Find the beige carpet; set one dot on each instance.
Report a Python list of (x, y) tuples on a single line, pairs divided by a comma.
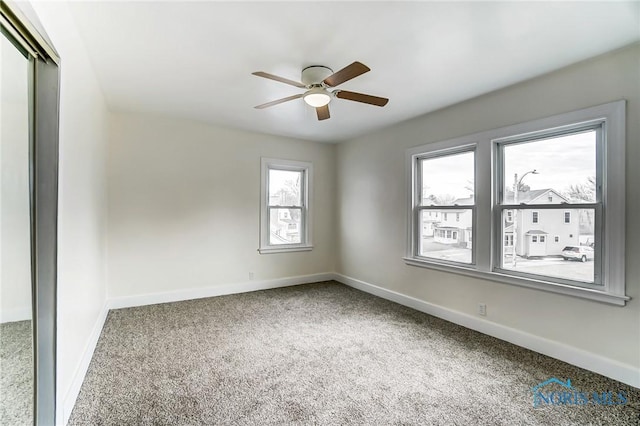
[(321, 354), (16, 374)]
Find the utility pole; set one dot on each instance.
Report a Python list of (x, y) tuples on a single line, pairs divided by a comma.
[(516, 186)]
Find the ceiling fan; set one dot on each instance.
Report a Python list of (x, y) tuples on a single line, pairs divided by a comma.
[(317, 79)]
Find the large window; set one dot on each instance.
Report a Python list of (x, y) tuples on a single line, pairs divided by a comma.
[(543, 203), (285, 215), (548, 177)]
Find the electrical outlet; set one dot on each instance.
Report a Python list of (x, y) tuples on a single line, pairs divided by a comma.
[(250, 276), (482, 309)]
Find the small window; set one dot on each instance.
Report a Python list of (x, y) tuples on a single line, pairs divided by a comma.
[(567, 217), (508, 240), (542, 238), (534, 239), (534, 217), (510, 216), (550, 198), (445, 183), (284, 213), (556, 239)]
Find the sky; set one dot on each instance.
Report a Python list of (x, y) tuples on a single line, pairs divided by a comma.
[(278, 178), (560, 162), (449, 175)]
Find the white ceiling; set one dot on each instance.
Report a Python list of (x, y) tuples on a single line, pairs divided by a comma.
[(194, 60)]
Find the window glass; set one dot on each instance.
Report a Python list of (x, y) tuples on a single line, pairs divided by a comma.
[(448, 180), (441, 241), (284, 226), (566, 165), (284, 187), (541, 256)]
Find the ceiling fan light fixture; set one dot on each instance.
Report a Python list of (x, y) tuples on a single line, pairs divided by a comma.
[(317, 97), (318, 79)]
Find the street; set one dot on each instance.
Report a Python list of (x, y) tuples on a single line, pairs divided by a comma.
[(550, 266)]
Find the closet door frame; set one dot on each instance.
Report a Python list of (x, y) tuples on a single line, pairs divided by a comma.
[(20, 24)]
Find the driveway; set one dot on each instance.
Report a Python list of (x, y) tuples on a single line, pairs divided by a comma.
[(550, 266), (554, 267)]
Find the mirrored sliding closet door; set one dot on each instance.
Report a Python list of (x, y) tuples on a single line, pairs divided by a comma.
[(16, 325)]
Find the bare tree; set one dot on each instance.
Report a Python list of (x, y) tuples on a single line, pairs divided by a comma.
[(469, 186), (582, 191), (290, 195), (523, 187), (441, 199)]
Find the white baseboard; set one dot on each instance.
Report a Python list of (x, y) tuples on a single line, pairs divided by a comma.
[(64, 411), (13, 315), (218, 290), (589, 361)]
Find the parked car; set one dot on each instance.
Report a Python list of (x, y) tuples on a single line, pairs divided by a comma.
[(581, 253)]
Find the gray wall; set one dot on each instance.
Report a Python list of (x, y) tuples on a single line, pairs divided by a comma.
[(372, 196), (184, 206)]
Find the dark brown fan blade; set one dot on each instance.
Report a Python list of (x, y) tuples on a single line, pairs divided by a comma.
[(323, 112), (279, 101), (280, 79), (346, 74), (361, 97)]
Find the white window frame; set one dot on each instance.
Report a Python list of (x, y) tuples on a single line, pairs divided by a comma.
[(564, 217), (535, 216), (611, 243), (415, 208), (306, 168)]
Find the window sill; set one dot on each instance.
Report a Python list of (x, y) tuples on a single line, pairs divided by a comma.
[(270, 250), (584, 293)]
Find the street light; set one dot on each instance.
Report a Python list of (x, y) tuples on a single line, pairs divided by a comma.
[(516, 185)]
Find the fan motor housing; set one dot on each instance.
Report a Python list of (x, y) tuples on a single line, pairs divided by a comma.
[(314, 75)]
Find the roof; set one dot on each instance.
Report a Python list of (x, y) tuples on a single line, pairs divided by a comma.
[(536, 232), (467, 201), (528, 197), (286, 220)]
